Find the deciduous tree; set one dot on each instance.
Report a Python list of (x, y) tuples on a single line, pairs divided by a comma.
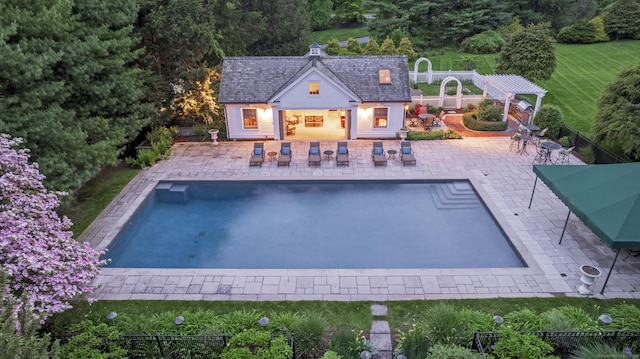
[(617, 119), (285, 24), (46, 267), (320, 14), (529, 53)]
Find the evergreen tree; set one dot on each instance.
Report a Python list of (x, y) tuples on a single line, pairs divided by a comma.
[(387, 47), (600, 33), (353, 46), (70, 89), (333, 48), (617, 119), (622, 19), (406, 48), (529, 53), (372, 48)]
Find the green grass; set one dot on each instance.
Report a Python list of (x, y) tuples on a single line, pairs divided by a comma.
[(96, 195), (582, 72)]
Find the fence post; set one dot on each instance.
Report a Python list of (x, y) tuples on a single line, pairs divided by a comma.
[(159, 345)]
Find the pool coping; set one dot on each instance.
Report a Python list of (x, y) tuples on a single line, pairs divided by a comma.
[(532, 232)]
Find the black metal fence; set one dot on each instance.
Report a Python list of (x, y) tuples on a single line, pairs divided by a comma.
[(141, 346), (590, 151), (565, 342)]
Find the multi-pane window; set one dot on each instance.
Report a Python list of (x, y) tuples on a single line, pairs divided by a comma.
[(380, 116), (249, 118), (314, 88), (385, 76)]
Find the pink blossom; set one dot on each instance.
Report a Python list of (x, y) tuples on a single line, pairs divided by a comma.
[(37, 251)]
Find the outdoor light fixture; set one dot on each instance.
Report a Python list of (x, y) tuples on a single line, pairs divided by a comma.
[(498, 319), (179, 320), (365, 354), (112, 315), (605, 319), (264, 321)]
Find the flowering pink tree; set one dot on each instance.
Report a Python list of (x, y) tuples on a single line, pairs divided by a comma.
[(46, 267)]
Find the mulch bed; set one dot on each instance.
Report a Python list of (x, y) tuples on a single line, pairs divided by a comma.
[(455, 122)]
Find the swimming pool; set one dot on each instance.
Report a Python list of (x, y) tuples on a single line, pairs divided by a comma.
[(313, 224)]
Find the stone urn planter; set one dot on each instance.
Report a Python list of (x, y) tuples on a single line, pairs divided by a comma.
[(589, 276), (214, 136), (403, 133)]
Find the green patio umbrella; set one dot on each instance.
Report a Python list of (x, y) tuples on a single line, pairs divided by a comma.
[(606, 198)]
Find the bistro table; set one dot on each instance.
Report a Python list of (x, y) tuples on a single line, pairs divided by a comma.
[(392, 154), (525, 140), (272, 155), (547, 147), (328, 154)]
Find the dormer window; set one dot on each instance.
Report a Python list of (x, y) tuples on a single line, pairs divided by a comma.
[(385, 76), (314, 88)]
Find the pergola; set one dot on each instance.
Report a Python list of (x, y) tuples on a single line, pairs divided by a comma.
[(511, 85)]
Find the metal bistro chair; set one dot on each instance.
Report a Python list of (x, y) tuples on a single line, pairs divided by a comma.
[(564, 155), (515, 142)]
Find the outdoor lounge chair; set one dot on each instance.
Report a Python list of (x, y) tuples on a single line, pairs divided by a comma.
[(285, 154), (257, 156), (342, 154), (377, 153), (314, 154), (406, 153)]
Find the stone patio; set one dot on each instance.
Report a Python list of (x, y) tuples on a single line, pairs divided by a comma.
[(504, 180)]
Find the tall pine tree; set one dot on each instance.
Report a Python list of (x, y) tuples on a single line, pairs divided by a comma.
[(68, 84)]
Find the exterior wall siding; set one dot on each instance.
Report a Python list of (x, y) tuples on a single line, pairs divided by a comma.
[(235, 129), (365, 127), (298, 97)]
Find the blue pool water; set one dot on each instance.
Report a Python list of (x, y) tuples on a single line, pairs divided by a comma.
[(313, 224)]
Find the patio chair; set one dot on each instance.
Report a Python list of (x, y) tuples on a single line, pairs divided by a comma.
[(406, 153), (515, 142), (564, 155), (257, 156), (377, 154), (314, 154), (285, 154), (342, 154)]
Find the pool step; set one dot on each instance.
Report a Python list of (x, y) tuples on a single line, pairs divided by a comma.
[(173, 192), (456, 195)]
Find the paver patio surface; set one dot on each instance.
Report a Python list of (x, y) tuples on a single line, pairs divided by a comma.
[(504, 180)]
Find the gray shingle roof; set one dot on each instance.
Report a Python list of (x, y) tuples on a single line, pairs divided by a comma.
[(258, 79)]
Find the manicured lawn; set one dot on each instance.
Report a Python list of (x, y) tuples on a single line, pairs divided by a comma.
[(96, 195), (582, 72)]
